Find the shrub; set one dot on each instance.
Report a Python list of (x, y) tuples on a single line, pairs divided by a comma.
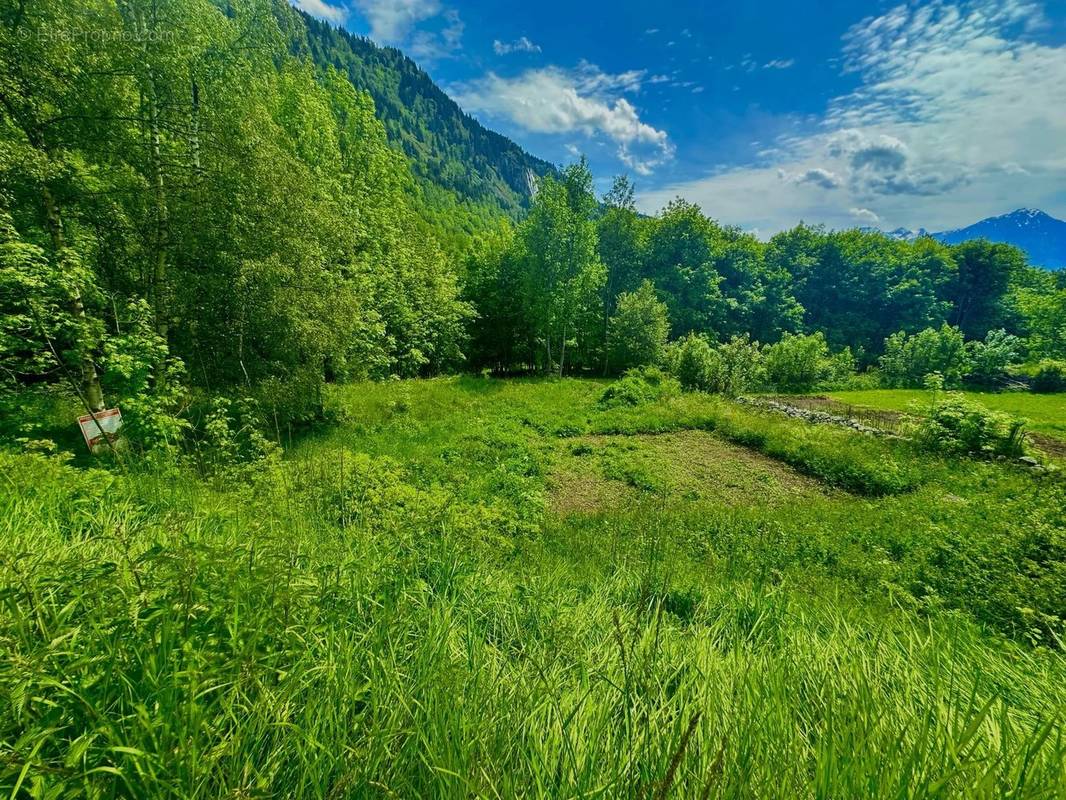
[(990, 359), (693, 362), (956, 425), (640, 385), (728, 369), (148, 382), (909, 359), (1049, 376), (639, 329), (799, 363), (741, 366), (234, 444)]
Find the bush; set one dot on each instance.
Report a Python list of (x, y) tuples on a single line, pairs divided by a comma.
[(990, 359), (1049, 376), (800, 363), (147, 382), (693, 362), (234, 444), (909, 359), (638, 330), (958, 426), (640, 385), (741, 366), (728, 369)]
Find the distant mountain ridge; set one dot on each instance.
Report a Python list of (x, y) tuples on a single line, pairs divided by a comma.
[(446, 147), (1040, 235)]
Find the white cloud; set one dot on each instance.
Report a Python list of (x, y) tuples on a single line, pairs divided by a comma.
[(431, 45), (585, 99), (779, 63), (865, 215), (520, 45), (322, 10), (959, 113), (398, 22), (392, 20), (815, 176)]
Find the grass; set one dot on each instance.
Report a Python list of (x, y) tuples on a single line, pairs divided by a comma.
[(404, 608), (1045, 413)]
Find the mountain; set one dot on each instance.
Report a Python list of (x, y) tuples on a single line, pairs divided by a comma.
[(1040, 235), (447, 148)]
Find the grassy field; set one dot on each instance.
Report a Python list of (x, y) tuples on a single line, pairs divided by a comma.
[(479, 588), (1046, 413)]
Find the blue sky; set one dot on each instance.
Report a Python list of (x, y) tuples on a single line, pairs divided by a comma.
[(931, 113)]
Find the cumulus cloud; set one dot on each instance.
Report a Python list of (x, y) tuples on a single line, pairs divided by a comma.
[(959, 109), (865, 215), (322, 10), (584, 99), (519, 45)]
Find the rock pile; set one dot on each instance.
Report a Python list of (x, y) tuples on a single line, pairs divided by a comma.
[(816, 417)]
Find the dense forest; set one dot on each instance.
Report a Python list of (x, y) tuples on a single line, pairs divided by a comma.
[(197, 195)]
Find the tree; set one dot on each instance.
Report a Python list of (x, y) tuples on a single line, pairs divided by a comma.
[(979, 291), (638, 330), (679, 260), (562, 272), (621, 243)]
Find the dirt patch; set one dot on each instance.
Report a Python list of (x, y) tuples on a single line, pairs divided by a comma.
[(600, 473), (1056, 448), (891, 421), (574, 491)]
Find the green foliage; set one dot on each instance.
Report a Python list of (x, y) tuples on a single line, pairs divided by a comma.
[(956, 425), (639, 385), (446, 147), (730, 368), (979, 290), (800, 363), (859, 287), (147, 382), (694, 362), (233, 446), (909, 359), (639, 329), (1041, 303), (1049, 376), (990, 360)]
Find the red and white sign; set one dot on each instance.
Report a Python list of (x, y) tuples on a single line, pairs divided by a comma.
[(95, 427)]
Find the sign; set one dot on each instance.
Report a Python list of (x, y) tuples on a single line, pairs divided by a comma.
[(106, 423)]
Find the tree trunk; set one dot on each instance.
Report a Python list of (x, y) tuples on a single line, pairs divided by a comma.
[(89, 381), (159, 270), (562, 352), (194, 136)]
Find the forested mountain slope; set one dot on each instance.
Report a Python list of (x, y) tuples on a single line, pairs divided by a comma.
[(446, 147)]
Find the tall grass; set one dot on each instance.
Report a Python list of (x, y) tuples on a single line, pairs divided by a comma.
[(360, 623)]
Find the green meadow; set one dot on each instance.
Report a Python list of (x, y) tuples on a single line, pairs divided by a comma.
[(466, 587)]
